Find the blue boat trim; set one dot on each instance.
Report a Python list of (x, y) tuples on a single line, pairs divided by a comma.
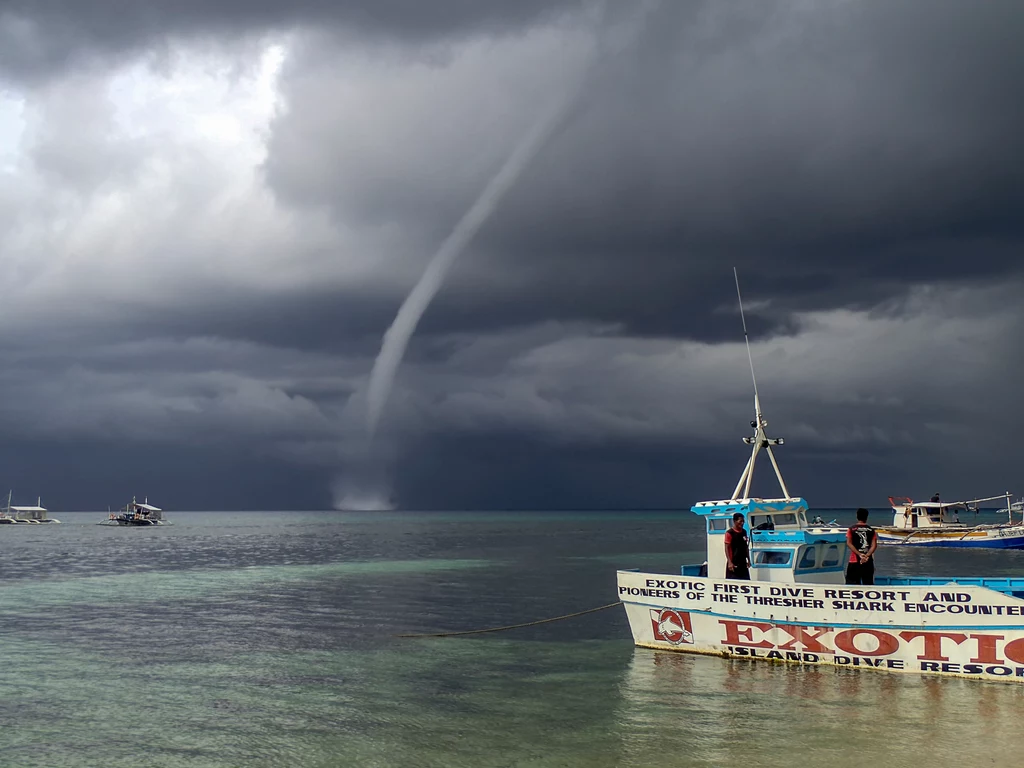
[(1005, 542), (838, 624)]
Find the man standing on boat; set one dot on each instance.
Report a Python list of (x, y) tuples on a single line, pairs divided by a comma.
[(737, 552), (862, 541)]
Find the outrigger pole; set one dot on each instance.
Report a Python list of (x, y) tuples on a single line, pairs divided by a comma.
[(760, 438)]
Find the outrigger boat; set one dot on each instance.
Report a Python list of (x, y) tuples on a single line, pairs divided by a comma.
[(796, 608), (25, 515), (137, 514), (938, 524)]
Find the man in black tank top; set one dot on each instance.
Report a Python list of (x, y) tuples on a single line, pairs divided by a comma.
[(862, 541), (737, 552)]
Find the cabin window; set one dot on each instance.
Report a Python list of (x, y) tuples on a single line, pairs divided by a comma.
[(787, 519), (772, 557), (831, 556), (761, 523), (807, 560), (717, 524)]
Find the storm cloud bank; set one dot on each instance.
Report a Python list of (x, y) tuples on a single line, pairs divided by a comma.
[(210, 211)]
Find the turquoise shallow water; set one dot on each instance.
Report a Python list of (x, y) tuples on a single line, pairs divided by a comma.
[(268, 639)]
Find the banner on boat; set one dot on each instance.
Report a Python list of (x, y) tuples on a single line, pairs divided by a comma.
[(954, 630), (968, 652)]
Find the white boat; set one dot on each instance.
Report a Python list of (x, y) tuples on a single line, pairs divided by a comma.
[(136, 514), (942, 524), (796, 607), (16, 515)]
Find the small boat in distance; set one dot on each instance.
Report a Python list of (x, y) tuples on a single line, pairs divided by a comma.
[(14, 515), (137, 514), (939, 524)]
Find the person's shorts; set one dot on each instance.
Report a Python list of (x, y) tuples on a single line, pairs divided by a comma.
[(861, 573)]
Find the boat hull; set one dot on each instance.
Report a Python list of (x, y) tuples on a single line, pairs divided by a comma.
[(951, 629), (987, 538), (131, 523)]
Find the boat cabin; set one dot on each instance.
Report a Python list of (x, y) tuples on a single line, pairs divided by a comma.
[(911, 515), (783, 547), (143, 509), (32, 514), (29, 513)]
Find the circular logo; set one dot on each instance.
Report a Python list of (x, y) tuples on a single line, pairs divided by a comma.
[(672, 628)]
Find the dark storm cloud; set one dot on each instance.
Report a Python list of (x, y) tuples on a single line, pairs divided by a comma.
[(837, 152), (207, 334), (829, 142), (94, 474), (38, 37)]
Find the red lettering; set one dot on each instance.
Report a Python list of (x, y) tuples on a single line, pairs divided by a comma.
[(805, 637), (986, 649), (734, 635), (847, 641), (933, 643), (1014, 650)]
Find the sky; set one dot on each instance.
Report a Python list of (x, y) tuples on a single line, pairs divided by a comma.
[(210, 213)]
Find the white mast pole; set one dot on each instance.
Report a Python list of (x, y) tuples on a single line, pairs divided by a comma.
[(778, 474), (760, 439), (750, 474), (746, 339), (743, 478)]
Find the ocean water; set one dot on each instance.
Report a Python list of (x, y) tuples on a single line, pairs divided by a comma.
[(269, 639)]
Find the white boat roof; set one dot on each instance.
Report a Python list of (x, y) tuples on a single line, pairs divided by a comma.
[(28, 509), (937, 504), (148, 507)]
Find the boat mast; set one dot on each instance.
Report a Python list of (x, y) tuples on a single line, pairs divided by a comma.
[(760, 438)]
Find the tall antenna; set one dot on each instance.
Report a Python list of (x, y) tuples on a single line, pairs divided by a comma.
[(746, 339), (760, 438)]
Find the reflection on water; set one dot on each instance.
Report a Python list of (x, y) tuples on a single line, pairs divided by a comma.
[(681, 710), (269, 640)]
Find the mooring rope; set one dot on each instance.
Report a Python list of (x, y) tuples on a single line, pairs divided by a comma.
[(517, 626)]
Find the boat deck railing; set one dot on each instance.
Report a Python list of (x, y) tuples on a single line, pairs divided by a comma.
[(1008, 586)]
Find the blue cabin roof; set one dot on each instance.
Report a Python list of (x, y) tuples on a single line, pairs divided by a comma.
[(729, 507)]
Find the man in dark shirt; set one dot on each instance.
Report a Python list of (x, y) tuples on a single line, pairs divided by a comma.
[(737, 552), (862, 541)]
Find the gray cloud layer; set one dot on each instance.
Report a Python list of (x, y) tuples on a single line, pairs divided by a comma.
[(39, 37)]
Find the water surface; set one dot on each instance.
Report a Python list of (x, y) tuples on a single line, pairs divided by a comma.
[(268, 639)]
